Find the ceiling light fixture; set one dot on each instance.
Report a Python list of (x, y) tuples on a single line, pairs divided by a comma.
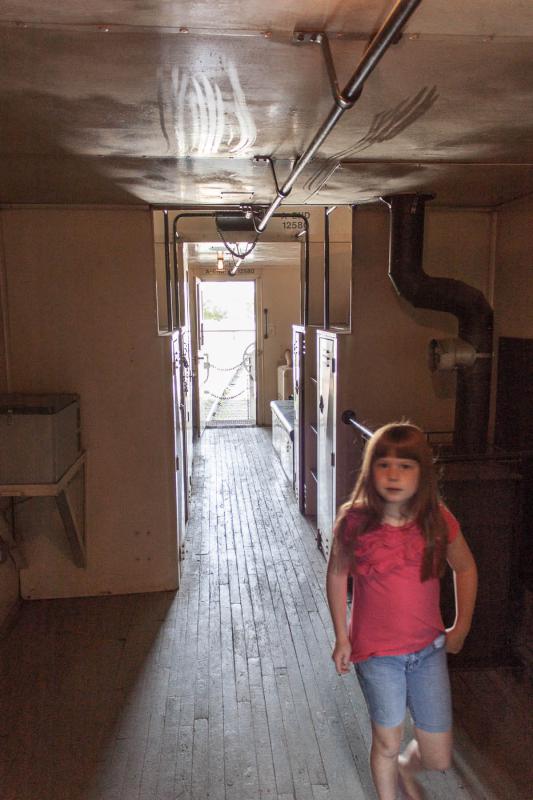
[(220, 261)]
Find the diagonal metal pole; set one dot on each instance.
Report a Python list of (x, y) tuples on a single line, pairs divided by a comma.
[(388, 32)]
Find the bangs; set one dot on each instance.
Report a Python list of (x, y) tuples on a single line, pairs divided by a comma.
[(401, 442)]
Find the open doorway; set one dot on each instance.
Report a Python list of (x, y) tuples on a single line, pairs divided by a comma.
[(227, 384)]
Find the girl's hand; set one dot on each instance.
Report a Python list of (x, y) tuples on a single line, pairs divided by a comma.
[(341, 656), (454, 640)]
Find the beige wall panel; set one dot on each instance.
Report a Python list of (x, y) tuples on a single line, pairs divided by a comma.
[(514, 271), (340, 224), (3, 366), (391, 378), (281, 295), (161, 288), (340, 266), (9, 590), (316, 284), (457, 245), (340, 283), (513, 279), (4, 343), (82, 319), (9, 579)]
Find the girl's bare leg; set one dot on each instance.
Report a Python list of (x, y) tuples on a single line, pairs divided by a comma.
[(426, 751), (384, 760)]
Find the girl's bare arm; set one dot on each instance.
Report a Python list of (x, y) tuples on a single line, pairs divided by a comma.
[(464, 568), (336, 590)]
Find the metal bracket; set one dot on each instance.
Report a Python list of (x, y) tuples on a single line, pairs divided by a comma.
[(14, 547), (321, 38), (74, 528), (268, 160)]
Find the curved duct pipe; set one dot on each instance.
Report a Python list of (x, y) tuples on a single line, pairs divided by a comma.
[(474, 314)]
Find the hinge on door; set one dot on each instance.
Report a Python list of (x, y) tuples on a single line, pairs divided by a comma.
[(333, 364), (333, 459), (177, 462)]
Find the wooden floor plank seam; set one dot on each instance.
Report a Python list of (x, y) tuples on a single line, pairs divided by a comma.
[(225, 689)]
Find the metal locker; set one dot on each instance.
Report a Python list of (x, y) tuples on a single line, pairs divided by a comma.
[(298, 353), (326, 442), (338, 447)]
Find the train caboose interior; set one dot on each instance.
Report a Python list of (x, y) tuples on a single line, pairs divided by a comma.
[(234, 239)]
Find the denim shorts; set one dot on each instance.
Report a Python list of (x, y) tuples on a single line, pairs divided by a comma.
[(418, 681)]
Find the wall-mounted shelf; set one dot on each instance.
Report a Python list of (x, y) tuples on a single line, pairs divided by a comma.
[(74, 528)]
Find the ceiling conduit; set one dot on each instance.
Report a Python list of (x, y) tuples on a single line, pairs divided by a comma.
[(230, 220), (386, 35), (468, 304)]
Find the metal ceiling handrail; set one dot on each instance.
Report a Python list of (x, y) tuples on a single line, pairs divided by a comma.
[(386, 35)]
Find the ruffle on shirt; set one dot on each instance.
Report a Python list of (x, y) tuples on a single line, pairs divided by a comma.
[(388, 550)]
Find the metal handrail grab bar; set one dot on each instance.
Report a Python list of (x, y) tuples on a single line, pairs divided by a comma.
[(349, 418), (350, 94)]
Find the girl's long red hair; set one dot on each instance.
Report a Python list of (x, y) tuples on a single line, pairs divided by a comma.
[(397, 440)]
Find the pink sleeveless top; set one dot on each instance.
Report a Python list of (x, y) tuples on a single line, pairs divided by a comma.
[(393, 611)]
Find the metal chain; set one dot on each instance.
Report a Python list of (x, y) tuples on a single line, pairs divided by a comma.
[(229, 369), (225, 397), (226, 369)]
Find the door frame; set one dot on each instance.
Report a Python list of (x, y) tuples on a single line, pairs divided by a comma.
[(194, 296)]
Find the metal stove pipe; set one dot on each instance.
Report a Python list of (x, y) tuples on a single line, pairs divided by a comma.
[(469, 305)]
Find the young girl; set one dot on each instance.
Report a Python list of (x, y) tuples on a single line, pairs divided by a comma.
[(394, 537)]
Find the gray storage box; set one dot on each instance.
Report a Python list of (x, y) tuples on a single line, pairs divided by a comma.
[(39, 436)]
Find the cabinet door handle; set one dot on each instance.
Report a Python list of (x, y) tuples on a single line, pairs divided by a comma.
[(321, 404)]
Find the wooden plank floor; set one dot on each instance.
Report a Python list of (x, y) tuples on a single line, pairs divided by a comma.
[(223, 690)]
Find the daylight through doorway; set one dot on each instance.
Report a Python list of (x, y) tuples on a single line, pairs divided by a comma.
[(228, 378)]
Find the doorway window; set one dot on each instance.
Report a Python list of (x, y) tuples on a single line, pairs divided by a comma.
[(228, 379)]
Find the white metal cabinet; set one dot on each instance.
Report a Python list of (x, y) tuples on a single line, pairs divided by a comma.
[(305, 430), (187, 408), (338, 447), (179, 443), (298, 366), (326, 436)]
